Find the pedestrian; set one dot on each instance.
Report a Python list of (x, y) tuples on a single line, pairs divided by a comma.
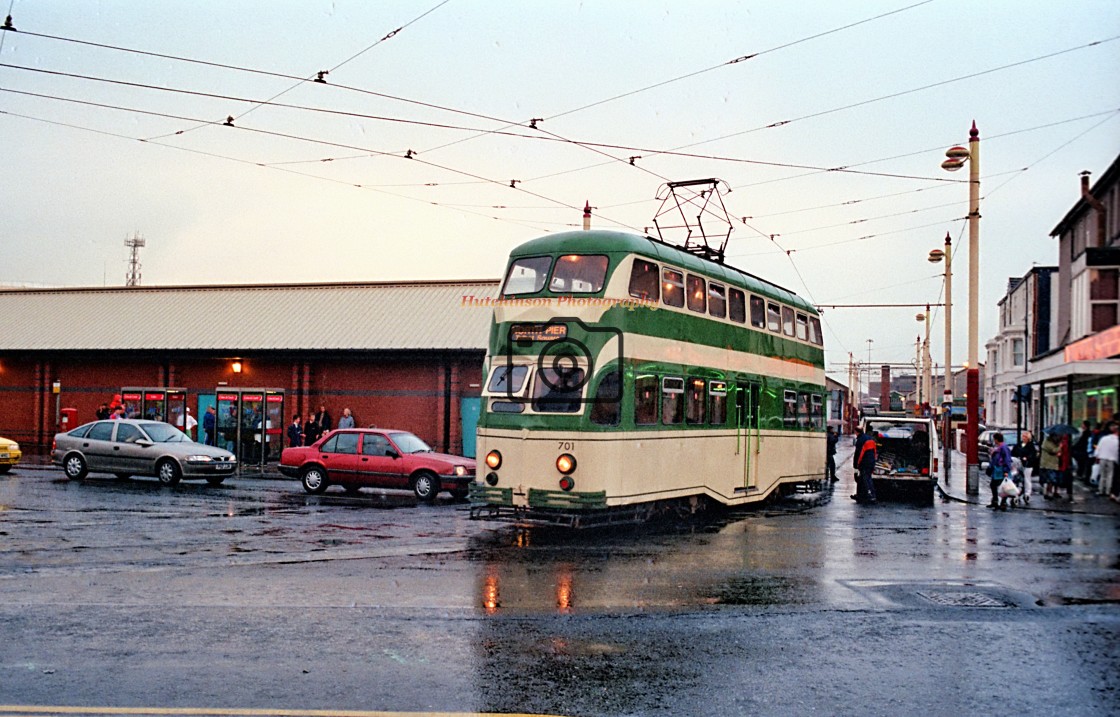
[(999, 467), (1065, 468), (1048, 462), (209, 425), (1027, 453), (1081, 450), (831, 439), (324, 420), (347, 420), (191, 423), (864, 458), (103, 411), (295, 432), (1107, 454)]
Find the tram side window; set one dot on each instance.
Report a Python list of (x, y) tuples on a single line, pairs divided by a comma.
[(717, 400), (717, 301), (737, 306), (803, 410), (579, 274), (672, 288), (606, 409), (774, 317), (758, 312), (645, 400), (815, 334), (526, 276), (816, 415), (789, 413), (643, 281), (787, 321), (697, 298), (672, 400), (803, 327), (694, 408)]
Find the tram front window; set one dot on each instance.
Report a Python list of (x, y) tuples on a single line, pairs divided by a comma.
[(527, 276), (578, 274), (507, 379), (558, 391)]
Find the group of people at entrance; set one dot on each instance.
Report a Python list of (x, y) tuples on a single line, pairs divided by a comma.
[(305, 433)]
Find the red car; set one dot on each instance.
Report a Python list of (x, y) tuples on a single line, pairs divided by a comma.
[(379, 458)]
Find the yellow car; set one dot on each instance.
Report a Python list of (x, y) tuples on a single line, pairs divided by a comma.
[(9, 454)]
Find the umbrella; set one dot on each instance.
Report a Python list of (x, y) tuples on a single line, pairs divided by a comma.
[(1061, 429)]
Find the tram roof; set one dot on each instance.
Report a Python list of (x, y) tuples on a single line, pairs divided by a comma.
[(599, 240)]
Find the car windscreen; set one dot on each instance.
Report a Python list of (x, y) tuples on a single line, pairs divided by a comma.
[(409, 443), (164, 433)]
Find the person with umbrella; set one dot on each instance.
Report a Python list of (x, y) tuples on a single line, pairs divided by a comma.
[(1048, 464)]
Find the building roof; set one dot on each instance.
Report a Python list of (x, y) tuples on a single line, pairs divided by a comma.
[(420, 315), (1097, 190)]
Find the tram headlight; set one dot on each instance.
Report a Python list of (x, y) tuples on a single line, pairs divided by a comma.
[(566, 463), (494, 460)]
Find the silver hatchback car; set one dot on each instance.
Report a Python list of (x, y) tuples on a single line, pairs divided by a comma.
[(128, 447)]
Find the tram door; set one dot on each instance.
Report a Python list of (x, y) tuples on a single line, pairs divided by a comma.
[(746, 418)]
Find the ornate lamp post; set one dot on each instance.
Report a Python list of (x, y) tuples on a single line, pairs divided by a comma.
[(936, 256), (957, 156)]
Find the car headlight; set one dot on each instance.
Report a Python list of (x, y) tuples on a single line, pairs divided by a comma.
[(199, 459), (13, 447), (460, 471)]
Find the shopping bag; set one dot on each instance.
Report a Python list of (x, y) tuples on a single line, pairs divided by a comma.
[(1095, 474), (1008, 489)]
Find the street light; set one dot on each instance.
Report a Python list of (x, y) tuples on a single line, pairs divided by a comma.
[(925, 379), (957, 156), (936, 256)]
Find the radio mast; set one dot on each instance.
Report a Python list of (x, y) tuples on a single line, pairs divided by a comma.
[(134, 243)]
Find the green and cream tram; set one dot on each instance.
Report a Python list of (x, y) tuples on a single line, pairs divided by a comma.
[(627, 376)]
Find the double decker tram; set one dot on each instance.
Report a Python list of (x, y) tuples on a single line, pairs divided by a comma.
[(627, 377)]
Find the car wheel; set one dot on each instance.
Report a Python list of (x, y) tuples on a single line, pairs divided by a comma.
[(75, 467), (425, 485), (314, 479), (169, 472), (460, 493), (215, 480), (352, 489), (4, 469)]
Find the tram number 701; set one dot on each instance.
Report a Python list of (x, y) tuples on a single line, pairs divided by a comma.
[(566, 446)]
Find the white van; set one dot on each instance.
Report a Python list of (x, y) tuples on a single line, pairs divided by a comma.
[(909, 456)]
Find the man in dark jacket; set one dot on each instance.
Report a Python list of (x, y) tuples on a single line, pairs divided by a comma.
[(830, 451), (1081, 451), (863, 460)]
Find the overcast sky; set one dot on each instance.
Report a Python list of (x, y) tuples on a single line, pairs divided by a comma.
[(322, 190)]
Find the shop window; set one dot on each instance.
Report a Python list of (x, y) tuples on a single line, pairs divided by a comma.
[(789, 409), (694, 405), (717, 300), (672, 400), (774, 318), (758, 312), (579, 274), (643, 281), (606, 408), (672, 288), (717, 403), (645, 400), (737, 306), (697, 298)]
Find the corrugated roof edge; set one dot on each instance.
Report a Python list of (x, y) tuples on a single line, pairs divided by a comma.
[(210, 287)]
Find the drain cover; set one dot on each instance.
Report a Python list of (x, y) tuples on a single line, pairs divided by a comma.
[(963, 599)]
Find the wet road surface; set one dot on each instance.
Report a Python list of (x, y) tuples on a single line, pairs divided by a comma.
[(254, 594)]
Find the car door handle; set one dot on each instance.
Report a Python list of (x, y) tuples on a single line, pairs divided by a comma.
[(364, 459), (116, 448)]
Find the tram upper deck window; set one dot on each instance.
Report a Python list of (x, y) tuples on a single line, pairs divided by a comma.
[(717, 300), (558, 391), (815, 334), (643, 281), (645, 400), (526, 276), (736, 306), (758, 312), (579, 274), (803, 327), (508, 380), (672, 400), (672, 288), (697, 299), (787, 321), (774, 317)]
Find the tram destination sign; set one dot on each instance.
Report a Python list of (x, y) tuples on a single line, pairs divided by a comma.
[(538, 332)]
